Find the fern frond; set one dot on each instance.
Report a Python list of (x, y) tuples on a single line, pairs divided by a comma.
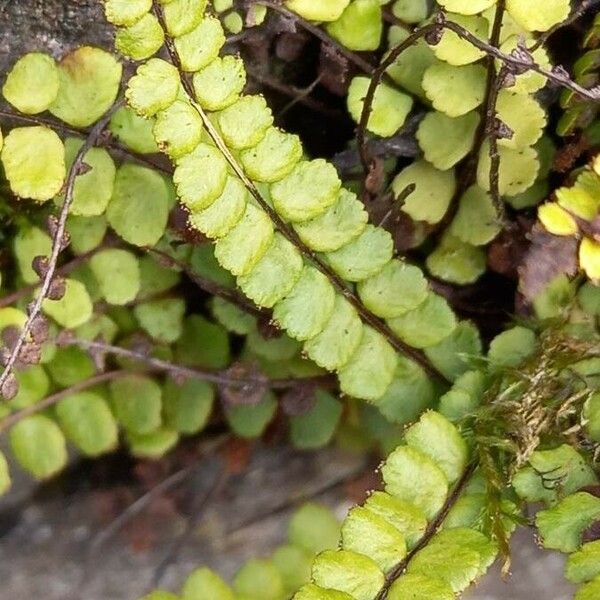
[(295, 239)]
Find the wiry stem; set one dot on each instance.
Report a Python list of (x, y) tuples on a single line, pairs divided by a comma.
[(57, 243), (53, 399), (366, 316), (65, 129), (431, 530), (217, 377)]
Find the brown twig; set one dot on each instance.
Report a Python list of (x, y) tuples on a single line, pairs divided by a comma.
[(65, 269), (217, 377), (490, 121), (432, 529), (65, 129), (354, 58), (434, 29), (211, 287), (297, 94), (339, 284), (390, 59), (57, 243), (557, 76), (55, 398)]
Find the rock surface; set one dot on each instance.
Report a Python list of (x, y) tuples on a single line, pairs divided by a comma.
[(53, 26)]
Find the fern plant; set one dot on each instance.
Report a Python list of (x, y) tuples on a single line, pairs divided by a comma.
[(323, 289)]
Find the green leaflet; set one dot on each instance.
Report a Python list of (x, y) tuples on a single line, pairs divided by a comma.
[(314, 592), (333, 347), (162, 319), (304, 312), (337, 226), (70, 365), (178, 129), (395, 290), (187, 406), (203, 344), (437, 438), (294, 565), (141, 40), (137, 403), (405, 517), (34, 384), (92, 191), (512, 347), (250, 421), (259, 580), (203, 584), (200, 177), (275, 274), (316, 428), (139, 208), (89, 80), (476, 221), (367, 533), (464, 397), (410, 393), (32, 84), (390, 107), (360, 26), (420, 587), (34, 162), (87, 421), (415, 478), (219, 85), (314, 528), (433, 191), (39, 446), (457, 353), (273, 157), (133, 131), (74, 309), (428, 324), (445, 140), (307, 191), (457, 556), (370, 369), (181, 16), (364, 256), (126, 12), (5, 481), (28, 243), (561, 526), (152, 445), (232, 317), (455, 91), (200, 46), (246, 243), (584, 565), (159, 595), (349, 572), (589, 591), (245, 123), (224, 213), (153, 88), (118, 275)]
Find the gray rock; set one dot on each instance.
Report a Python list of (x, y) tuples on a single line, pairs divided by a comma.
[(53, 26)]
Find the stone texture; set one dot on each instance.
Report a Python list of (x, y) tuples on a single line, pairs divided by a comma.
[(53, 26)]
